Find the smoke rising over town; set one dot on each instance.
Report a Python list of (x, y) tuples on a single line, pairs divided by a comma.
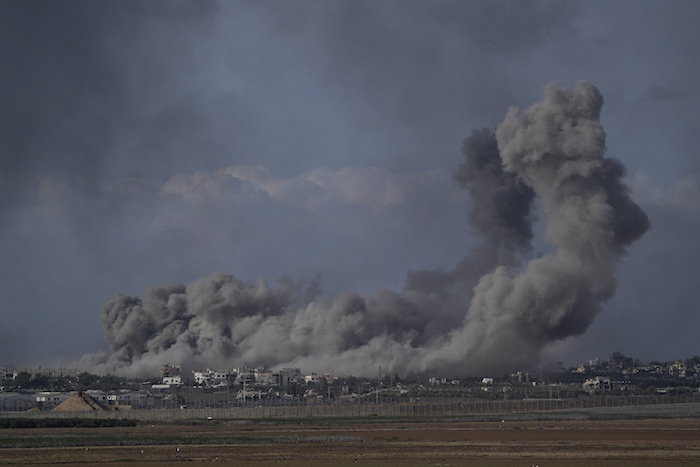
[(494, 311), (268, 182)]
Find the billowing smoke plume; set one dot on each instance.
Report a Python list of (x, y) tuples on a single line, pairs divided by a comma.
[(500, 214), (494, 311)]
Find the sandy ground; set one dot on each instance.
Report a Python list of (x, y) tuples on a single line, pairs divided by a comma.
[(570, 443)]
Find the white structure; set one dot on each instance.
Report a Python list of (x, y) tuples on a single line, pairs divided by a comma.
[(99, 396), (313, 378), (597, 384), (126, 398), (438, 381), (170, 374), (259, 376), (51, 399), (172, 380), (210, 378), (264, 376), (8, 373)]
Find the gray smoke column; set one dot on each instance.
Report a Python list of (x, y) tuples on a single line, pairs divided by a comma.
[(445, 322), (499, 213), (556, 147)]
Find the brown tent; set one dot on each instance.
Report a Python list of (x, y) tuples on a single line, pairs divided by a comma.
[(79, 402)]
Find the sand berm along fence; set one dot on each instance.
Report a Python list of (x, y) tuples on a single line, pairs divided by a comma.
[(684, 404)]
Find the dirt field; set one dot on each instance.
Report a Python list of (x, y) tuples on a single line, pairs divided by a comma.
[(571, 443)]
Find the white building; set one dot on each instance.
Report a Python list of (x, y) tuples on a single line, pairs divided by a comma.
[(8, 373), (170, 374), (49, 400), (597, 384), (98, 395), (126, 398), (259, 376), (210, 378), (313, 378), (264, 376), (172, 380)]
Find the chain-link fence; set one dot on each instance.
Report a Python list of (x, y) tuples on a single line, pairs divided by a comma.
[(224, 409)]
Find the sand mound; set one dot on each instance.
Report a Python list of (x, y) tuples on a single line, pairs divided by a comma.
[(79, 402)]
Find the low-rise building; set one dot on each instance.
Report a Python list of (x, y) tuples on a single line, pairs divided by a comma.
[(245, 376), (172, 380), (15, 402), (210, 378), (49, 400), (313, 378), (53, 372), (170, 374), (597, 384), (264, 376), (287, 376), (131, 398), (98, 395), (8, 373), (443, 381)]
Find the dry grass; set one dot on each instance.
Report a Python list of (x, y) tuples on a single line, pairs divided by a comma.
[(549, 443)]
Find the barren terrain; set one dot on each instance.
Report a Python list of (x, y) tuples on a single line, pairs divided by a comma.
[(657, 442)]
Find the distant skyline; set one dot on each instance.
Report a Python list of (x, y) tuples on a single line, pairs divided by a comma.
[(152, 143), (598, 358)]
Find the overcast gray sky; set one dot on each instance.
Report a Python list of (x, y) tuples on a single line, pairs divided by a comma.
[(157, 142)]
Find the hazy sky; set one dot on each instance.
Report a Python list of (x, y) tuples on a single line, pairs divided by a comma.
[(155, 142)]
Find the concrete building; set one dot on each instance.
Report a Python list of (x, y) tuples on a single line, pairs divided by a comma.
[(210, 378), (170, 374), (16, 402), (53, 372), (8, 373), (49, 400), (597, 384), (245, 376), (287, 376), (264, 376), (130, 398), (172, 380), (313, 378)]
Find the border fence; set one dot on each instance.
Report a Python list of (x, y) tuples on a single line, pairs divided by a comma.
[(386, 407)]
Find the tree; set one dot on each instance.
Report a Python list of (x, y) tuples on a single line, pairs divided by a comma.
[(39, 382), (22, 379), (87, 380), (110, 382)]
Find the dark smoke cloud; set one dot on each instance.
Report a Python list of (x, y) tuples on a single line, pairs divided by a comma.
[(556, 147), (491, 313), (500, 213)]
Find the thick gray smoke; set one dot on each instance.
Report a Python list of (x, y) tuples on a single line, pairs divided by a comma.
[(499, 213), (490, 313)]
